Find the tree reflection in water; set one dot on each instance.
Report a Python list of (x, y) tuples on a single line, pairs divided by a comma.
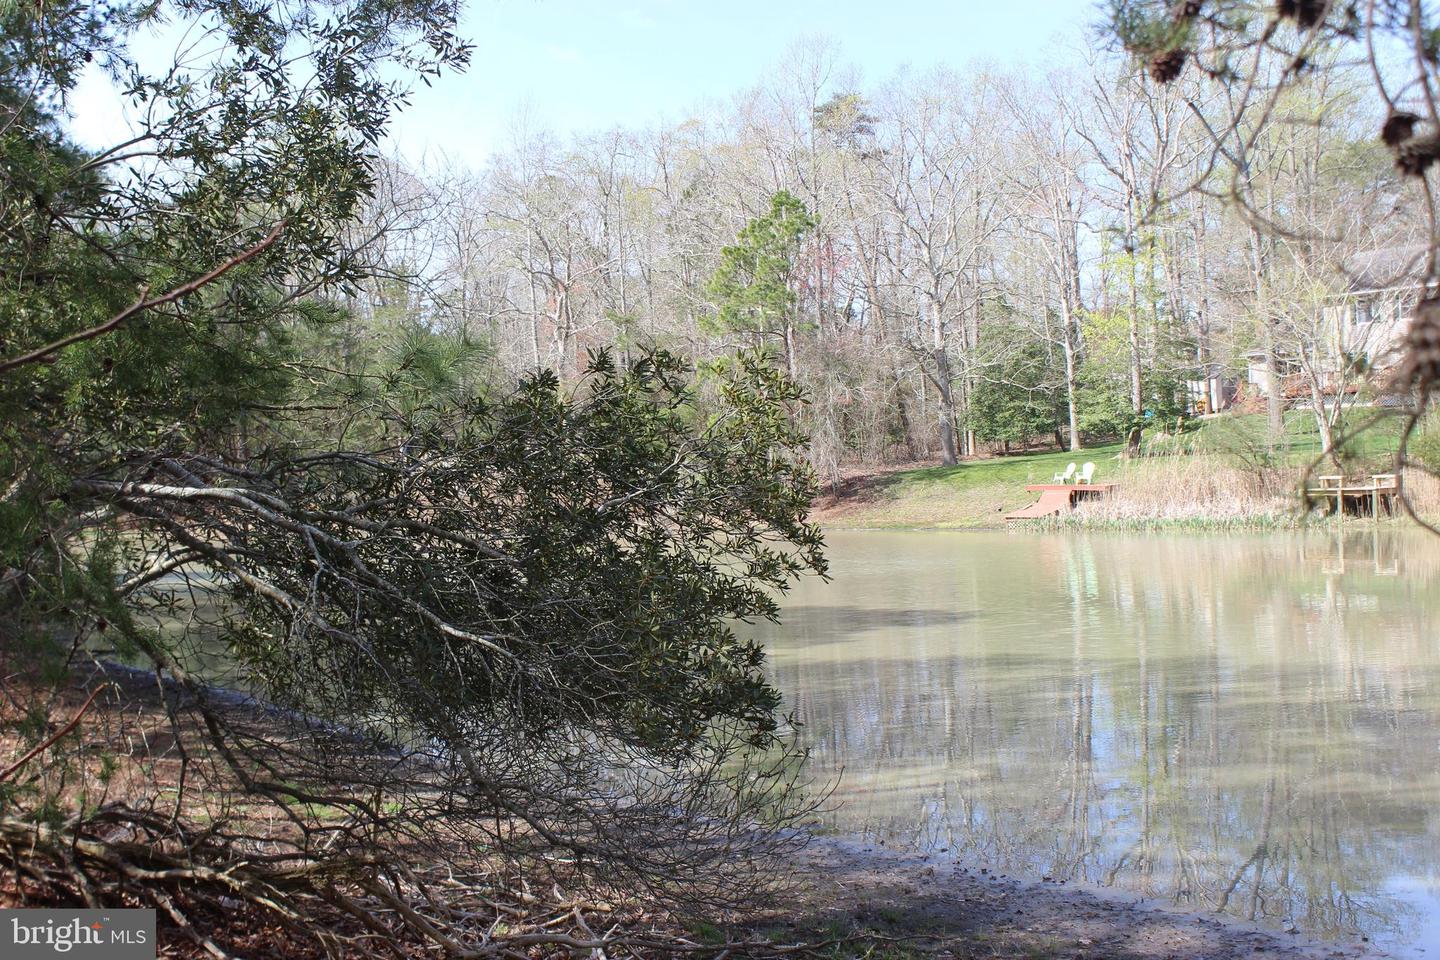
[(1247, 724)]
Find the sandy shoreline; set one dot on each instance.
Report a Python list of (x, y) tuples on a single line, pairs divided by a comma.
[(945, 909)]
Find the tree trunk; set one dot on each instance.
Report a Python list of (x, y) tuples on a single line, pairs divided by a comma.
[(945, 384), (1275, 398), (1071, 372), (946, 408), (1137, 395), (1324, 418), (1132, 441), (1275, 395), (1326, 428), (903, 413)]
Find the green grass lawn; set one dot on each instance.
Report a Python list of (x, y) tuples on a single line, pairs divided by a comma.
[(1363, 435), (977, 493), (1017, 469)]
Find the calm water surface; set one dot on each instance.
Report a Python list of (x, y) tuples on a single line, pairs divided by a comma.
[(1249, 724)]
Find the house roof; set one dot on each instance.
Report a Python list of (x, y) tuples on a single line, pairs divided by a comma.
[(1386, 268)]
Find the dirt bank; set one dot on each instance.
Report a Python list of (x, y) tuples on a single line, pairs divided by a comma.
[(941, 909)]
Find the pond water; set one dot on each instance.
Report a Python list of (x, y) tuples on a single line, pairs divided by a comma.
[(1242, 723)]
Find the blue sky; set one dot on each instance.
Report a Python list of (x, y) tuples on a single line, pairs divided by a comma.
[(584, 65)]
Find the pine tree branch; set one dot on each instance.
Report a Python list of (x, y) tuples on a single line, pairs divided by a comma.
[(146, 302)]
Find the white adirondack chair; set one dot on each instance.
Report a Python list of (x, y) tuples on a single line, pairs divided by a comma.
[(1087, 474), (1065, 477)]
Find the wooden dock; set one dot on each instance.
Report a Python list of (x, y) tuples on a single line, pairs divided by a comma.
[(1360, 497), (1057, 499)]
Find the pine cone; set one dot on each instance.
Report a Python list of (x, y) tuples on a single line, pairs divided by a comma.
[(1305, 13), (1398, 127), (1165, 67)]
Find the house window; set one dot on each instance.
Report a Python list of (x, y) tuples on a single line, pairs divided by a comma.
[(1363, 312)]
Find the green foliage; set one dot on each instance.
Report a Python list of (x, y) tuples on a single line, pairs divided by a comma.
[(567, 562), (846, 121), (1244, 441), (246, 141), (753, 288), (1103, 405), (229, 146), (386, 377), (1424, 443), (1018, 399), (1163, 383), (1103, 401)]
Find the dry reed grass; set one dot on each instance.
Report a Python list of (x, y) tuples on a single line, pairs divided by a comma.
[(1209, 491), (1195, 488)]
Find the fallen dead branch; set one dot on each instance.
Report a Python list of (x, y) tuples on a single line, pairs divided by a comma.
[(402, 896)]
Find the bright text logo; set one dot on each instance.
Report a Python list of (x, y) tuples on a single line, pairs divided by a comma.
[(78, 934)]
